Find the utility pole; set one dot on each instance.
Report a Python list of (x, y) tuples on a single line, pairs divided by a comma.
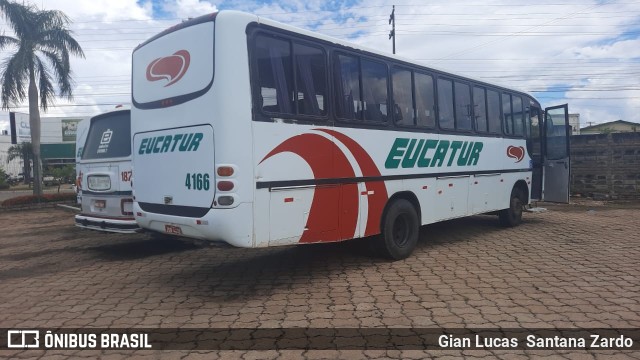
[(392, 22)]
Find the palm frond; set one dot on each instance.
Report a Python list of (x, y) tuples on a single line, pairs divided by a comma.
[(8, 40), (47, 92), (14, 79), (19, 17), (59, 39), (62, 72)]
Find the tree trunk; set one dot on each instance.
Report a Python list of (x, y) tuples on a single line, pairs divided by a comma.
[(27, 153), (34, 123)]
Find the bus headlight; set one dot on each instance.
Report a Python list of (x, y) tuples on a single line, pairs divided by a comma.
[(99, 182)]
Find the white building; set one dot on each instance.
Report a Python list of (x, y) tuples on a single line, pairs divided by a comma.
[(58, 140), (574, 122)]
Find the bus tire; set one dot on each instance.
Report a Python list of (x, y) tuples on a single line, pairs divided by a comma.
[(400, 229), (512, 216)]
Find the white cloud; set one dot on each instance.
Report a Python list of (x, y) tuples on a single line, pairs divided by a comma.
[(188, 8)]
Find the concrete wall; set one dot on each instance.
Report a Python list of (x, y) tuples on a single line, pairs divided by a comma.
[(606, 165)]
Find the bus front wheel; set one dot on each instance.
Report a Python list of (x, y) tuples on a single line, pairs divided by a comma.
[(401, 226), (512, 216)]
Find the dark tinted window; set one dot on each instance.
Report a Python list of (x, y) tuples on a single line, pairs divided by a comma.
[(277, 66), (493, 111), (347, 87), (275, 80), (374, 88), (480, 109), (518, 115), (463, 106), (311, 80), (506, 113), (109, 137), (445, 104), (403, 97), (425, 100)]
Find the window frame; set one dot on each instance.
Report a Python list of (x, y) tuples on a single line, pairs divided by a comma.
[(363, 121), (329, 49), (259, 114), (469, 86), (486, 108), (414, 98)]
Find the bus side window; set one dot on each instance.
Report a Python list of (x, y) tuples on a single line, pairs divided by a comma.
[(425, 100), (506, 112), (274, 74), (480, 108), (463, 106), (311, 80), (347, 87), (445, 104), (402, 97), (518, 116), (374, 86), (493, 112)]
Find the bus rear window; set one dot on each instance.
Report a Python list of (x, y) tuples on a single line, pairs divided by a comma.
[(109, 137)]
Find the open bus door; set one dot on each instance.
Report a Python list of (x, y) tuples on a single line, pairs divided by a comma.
[(555, 154)]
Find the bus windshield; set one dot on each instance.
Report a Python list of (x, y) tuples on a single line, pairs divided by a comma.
[(109, 137)]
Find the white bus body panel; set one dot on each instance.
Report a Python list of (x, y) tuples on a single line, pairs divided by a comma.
[(288, 158), (81, 137), (218, 96), (103, 210), (107, 210)]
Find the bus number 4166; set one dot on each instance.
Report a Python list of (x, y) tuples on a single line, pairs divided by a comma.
[(197, 181)]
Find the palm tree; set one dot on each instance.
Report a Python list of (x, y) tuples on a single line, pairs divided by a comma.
[(43, 44)]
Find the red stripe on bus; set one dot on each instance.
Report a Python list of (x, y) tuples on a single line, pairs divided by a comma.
[(368, 167), (334, 210)]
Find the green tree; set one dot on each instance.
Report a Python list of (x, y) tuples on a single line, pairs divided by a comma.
[(3, 179), (22, 151), (43, 45)]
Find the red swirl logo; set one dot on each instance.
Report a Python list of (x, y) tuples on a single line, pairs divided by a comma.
[(171, 68), (515, 152), (328, 161)]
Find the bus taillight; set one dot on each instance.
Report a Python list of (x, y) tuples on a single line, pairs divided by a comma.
[(225, 200), (225, 185), (225, 171)]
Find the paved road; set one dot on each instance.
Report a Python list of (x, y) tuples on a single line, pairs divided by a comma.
[(572, 266)]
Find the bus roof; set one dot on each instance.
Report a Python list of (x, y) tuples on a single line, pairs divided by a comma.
[(252, 18)]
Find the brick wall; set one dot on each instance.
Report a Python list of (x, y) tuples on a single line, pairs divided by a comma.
[(606, 165)]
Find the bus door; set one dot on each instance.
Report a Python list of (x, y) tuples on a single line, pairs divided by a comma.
[(556, 164), (534, 147)]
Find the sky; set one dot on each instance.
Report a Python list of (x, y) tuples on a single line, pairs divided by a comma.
[(581, 52)]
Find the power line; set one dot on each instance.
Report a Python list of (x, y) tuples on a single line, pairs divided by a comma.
[(551, 21)]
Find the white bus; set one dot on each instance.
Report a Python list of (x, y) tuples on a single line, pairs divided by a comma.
[(104, 175), (81, 138), (256, 133)]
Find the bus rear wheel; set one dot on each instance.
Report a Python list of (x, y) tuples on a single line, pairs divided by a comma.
[(400, 229), (512, 216)]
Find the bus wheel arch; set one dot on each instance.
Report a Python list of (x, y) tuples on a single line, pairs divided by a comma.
[(519, 197), (399, 226)]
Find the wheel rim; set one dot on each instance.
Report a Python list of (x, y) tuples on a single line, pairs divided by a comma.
[(401, 231)]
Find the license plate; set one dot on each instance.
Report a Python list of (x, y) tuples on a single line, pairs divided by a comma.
[(100, 204), (172, 229)]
